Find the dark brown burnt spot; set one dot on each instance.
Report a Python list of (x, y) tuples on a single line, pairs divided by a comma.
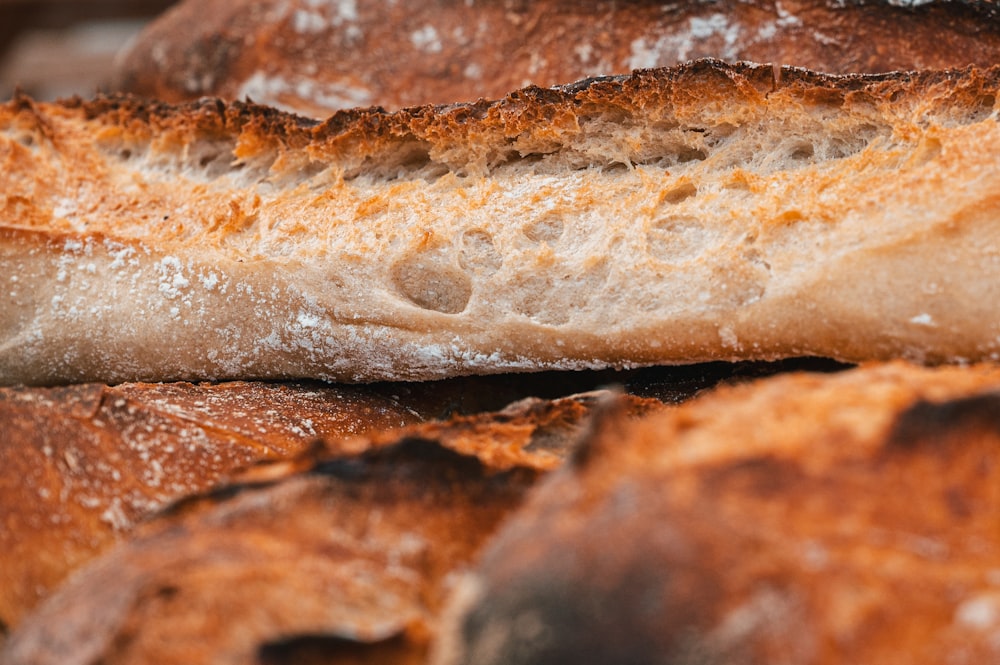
[(423, 465), (936, 423), (599, 605)]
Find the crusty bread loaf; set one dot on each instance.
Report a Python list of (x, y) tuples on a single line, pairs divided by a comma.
[(803, 519), (82, 465), (708, 211), (346, 551), (316, 57)]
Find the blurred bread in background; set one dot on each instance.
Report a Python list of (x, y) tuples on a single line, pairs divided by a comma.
[(314, 57), (345, 552), (85, 465), (58, 48), (801, 519)]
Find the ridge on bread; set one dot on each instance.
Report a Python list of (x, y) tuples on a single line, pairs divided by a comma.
[(707, 211)]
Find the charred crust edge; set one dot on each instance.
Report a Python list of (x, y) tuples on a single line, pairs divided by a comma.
[(629, 92)]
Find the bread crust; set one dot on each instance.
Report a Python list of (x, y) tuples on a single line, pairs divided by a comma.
[(86, 465), (799, 519), (351, 544), (354, 554), (83, 465), (707, 211), (318, 57)]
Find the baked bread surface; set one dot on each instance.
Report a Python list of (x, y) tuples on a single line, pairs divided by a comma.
[(84, 464), (345, 551), (800, 519), (708, 211), (315, 57)]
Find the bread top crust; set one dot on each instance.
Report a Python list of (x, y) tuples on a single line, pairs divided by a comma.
[(363, 533), (671, 215), (84, 464), (239, 146), (798, 519), (317, 58)]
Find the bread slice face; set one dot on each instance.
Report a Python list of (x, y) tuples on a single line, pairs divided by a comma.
[(702, 212)]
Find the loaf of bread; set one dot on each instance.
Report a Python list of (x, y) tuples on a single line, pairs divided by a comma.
[(316, 57), (82, 465), (803, 519), (345, 552), (708, 211)]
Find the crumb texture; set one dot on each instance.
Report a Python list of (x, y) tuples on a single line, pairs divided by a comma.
[(708, 211)]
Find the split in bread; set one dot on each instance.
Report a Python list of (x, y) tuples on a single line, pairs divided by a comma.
[(703, 212)]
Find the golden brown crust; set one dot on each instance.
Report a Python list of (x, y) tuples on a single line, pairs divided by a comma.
[(354, 554), (532, 115), (799, 519), (316, 58), (667, 216), (346, 550), (82, 465)]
